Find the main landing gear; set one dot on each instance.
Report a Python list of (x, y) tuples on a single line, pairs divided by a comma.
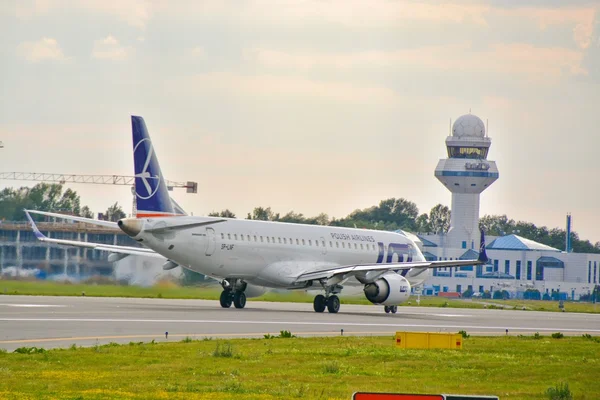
[(233, 293), (330, 300), (332, 303), (390, 309)]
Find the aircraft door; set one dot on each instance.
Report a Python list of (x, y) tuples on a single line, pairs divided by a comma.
[(324, 245), (211, 241)]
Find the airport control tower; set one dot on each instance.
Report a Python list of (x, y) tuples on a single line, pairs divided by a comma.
[(466, 173)]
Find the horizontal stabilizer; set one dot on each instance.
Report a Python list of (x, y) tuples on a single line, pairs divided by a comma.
[(107, 224), (126, 250)]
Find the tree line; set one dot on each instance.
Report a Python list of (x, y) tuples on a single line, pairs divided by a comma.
[(48, 197), (390, 214)]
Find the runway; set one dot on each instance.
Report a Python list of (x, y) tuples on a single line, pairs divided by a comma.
[(51, 322)]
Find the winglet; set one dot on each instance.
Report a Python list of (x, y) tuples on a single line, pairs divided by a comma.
[(35, 229), (483, 258)]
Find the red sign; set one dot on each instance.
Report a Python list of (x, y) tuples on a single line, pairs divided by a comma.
[(393, 396)]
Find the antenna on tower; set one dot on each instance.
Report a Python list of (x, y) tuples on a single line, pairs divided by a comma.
[(449, 128), (469, 110), (487, 128)]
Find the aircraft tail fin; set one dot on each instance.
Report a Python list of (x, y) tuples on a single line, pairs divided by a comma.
[(483, 258), (152, 196)]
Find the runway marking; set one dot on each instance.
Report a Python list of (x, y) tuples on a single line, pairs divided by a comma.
[(300, 323), (32, 305), (439, 315)]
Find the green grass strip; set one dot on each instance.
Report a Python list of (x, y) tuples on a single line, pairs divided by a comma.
[(311, 368)]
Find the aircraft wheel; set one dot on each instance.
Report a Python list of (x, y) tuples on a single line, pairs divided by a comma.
[(333, 304), (386, 309), (239, 300), (225, 298), (320, 303), (394, 309)]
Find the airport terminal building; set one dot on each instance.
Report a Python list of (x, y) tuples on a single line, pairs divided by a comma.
[(23, 255), (516, 264)]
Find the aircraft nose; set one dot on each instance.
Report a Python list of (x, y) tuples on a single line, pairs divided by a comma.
[(131, 226)]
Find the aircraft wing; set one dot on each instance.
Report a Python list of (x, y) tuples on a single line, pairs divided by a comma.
[(108, 224), (350, 270), (346, 271), (125, 250)]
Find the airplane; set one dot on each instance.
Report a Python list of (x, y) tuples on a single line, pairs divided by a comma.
[(248, 256)]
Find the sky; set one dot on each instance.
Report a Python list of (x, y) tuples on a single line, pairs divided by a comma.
[(306, 105)]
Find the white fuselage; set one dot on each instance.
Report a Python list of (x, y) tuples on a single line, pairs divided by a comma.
[(273, 254)]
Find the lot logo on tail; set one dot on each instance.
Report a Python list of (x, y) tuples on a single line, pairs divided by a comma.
[(147, 180)]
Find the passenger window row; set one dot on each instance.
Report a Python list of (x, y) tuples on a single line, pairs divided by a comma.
[(303, 242)]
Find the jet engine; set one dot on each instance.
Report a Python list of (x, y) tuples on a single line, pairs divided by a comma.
[(390, 290)]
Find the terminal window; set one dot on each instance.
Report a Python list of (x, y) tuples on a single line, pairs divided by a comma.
[(528, 270), (464, 244)]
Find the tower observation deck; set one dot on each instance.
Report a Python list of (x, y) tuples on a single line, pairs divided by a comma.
[(466, 173)]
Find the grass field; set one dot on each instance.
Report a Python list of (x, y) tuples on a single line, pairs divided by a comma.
[(313, 368), (171, 291)]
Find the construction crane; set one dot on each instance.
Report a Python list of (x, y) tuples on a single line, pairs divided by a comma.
[(191, 187)]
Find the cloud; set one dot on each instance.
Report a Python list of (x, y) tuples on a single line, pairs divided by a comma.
[(274, 85), (198, 52), (351, 13), (582, 34), (581, 18), (134, 12), (361, 13), (494, 102), (513, 58), (41, 50), (109, 49), (138, 13)]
